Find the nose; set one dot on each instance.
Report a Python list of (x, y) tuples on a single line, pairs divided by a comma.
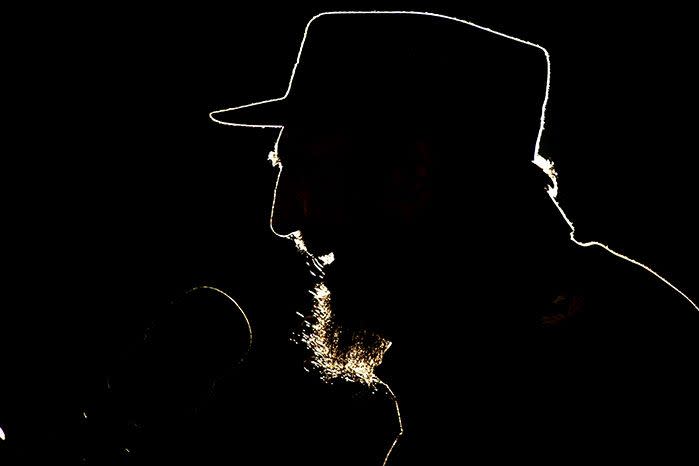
[(288, 205)]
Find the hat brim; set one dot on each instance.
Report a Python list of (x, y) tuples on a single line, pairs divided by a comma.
[(265, 114)]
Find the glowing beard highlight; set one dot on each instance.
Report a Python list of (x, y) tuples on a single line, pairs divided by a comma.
[(334, 353)]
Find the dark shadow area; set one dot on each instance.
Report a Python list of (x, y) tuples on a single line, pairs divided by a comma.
[(407, 152)]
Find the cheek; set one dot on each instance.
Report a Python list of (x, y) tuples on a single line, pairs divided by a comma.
[(328, 200), (406, 195)]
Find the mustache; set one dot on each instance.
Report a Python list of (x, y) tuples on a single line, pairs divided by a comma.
[(316, 263)]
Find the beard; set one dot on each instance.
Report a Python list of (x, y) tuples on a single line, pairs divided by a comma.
[(335, 352)]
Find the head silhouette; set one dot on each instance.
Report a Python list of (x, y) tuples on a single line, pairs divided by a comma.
[(406, 145), (404, 152)]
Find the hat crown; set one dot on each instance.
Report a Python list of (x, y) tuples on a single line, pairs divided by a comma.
[(413, 67)]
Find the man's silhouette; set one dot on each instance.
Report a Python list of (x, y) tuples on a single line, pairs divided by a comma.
[(406, 151)]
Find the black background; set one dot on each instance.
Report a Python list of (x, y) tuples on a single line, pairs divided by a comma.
[(120, 194)]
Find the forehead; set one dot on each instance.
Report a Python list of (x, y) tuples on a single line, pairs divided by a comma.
[(316, 147), (327, 140), (313, 135)]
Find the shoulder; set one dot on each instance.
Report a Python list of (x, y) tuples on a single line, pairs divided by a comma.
[(638, 291), (622, 303)]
